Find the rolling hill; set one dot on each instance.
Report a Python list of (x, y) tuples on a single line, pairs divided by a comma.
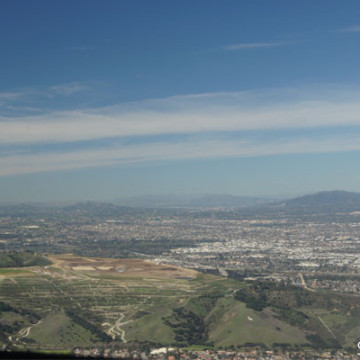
[(82, 302)]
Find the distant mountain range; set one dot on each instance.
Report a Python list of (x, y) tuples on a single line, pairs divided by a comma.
[(324, 201), (193, 201)]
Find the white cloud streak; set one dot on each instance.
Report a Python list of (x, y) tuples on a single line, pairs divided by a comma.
[(13, 95), (37, 93), (177, 116), (68, 89), (152, 152), (199, 117), (350, 29), (246, 46)]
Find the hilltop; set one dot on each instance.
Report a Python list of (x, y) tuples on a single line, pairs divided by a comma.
[(325, 201)]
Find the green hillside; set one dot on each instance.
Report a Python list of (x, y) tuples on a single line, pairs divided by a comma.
[(71, 304), (21, 259)]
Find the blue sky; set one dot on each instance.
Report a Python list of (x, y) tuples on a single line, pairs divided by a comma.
[(100, 100)]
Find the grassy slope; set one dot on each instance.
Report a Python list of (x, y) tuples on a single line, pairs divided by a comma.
[(57, 331), (150, 328), (344, 326), (232, 323), (14, 272), (144, 303)]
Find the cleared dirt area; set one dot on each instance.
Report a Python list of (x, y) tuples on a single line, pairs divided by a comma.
[(121, 267)]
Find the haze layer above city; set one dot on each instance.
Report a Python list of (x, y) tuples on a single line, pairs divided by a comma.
[(100, 101)]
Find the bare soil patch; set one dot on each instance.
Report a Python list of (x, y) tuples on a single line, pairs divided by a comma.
[(121, 267)]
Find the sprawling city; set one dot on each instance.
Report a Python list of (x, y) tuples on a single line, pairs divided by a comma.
[(264, 281)]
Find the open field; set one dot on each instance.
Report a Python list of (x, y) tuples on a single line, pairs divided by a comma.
[(121, 267), (80, 301)]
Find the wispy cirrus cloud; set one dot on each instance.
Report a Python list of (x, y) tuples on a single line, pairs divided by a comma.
[(40, 98), (350, 29), (256, 45), (37, 92), (194, 126), (190, 149), (182, 115), (15, 95), (69, 89)]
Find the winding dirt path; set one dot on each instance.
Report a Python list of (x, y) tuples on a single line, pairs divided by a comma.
[(116, 328), (303, 283), (25, 332)]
